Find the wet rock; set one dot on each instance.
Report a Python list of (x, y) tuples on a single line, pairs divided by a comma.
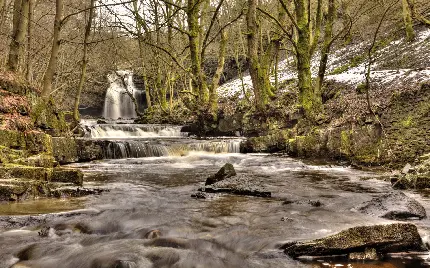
[(394, 206), (225, 172), (313, 203), (384, 239), (239, 185), (76, 192), (199, 195)]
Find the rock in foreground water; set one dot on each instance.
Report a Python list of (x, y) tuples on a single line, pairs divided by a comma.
[(238, 185), (225, 172), (394, 206), (398, 237)]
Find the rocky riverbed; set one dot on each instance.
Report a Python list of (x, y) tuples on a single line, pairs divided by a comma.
[(149, 219)]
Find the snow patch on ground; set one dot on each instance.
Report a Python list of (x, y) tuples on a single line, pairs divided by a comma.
[(354, 75)]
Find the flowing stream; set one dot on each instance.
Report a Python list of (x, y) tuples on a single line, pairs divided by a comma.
[(150, 197), (147, 218)]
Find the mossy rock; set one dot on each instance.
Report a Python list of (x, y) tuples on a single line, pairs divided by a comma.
[(8, 155), (12, 139), (40, 160), (276, 141), (65, 150), (27, 172), (38, 142), (45, 116), (390, 238), (74, 176)]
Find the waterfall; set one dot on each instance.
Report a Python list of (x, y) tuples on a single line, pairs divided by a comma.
[(132, 131), (136, 149), (118, 103)]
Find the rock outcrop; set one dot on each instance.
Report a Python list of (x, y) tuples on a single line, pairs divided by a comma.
[(398, 237), (415, 177)]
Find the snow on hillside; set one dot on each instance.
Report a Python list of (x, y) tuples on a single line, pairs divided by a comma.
[(343, 68)]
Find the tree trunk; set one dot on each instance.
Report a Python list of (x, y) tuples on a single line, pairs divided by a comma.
[(29, 69), (260, 81), (84, 61), (325, 50), (16, 47), (139, 24), (56, 42), (144, 77), (163, 92), (199, 81), (407, 19), (306, 91), (217, 76), (416, 14)]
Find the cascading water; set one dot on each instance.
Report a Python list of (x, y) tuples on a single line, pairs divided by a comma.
[(118, 101), (112, 131), (125, 140)]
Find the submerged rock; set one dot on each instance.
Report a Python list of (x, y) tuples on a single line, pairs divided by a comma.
[(394, 206), (383, 239), (225, 172)]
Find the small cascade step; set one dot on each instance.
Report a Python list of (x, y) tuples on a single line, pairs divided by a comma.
[(137, 149), (114, 131), (122, 139)]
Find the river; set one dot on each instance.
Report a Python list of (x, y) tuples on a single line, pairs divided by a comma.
[(150, 197)]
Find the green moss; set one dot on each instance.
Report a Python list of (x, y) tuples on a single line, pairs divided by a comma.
[(407, 122), (361, 88), (45, 114), (354, 62), (345, 142), (340, 69), (8, 155), (27, 172), (12, 139)]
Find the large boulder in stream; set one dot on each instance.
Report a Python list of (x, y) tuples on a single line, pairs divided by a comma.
[(225, 172), (238, 185), (398, 237), (226, 181), (394, 206)]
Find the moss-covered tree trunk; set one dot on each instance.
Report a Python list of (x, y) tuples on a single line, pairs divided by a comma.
[(306, 90), (259, 71), (84, 62), (52, 65), (199, 80), (16, 47), (407, 19), (417, 15), (217, 76), (325, 50)]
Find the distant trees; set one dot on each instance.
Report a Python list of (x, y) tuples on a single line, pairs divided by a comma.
[(179, 47)]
